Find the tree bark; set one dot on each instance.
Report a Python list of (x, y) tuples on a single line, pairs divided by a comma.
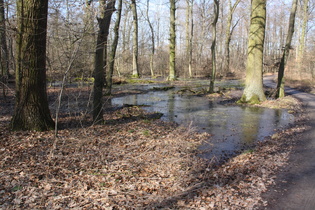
[(109, 81), (107, 9), (4, 63), (152, 41), (286, 51), (189, 34), (253, 92), (302, 39), (31, 107), (228, 35), (172, 67), (213, 45), (135, 68)]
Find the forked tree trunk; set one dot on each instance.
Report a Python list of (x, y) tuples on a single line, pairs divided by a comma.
[(31, 108)]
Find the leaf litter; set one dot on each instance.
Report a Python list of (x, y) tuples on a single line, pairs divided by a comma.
[(132, 162)]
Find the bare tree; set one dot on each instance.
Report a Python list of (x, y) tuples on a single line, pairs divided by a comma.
[(152, 41), (213, 45), (112, 55), (189, 34), (253, 92), (31, 108), (172, 67), (135, 67), (228, 35), (3, 50), (286, 51), (106, 10), (302, 39)]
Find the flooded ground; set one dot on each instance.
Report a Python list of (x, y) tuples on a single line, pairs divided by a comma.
[(233, 128)]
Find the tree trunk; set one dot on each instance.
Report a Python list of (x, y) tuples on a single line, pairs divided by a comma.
[(135, 68), (286, 51), (228, 35), (152, 40), (189, 34), (253, 92), (100, 58), (4, 64), (109, 81), (172, 67), (213, 45), (302, 39), (31, 108)]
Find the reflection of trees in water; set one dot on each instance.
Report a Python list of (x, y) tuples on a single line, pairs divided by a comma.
[(256, 123), (171, 107), (134, 99), (250, 124), (233, 126)]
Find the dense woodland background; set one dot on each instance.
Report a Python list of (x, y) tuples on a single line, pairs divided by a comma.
[(72, 30)]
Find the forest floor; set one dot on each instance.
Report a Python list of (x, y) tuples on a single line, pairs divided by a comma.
[(132, 161), (295, 182)]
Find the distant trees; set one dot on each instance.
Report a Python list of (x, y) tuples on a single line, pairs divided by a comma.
[(31, 108), (253, 92), (172, 39), (193, 37)]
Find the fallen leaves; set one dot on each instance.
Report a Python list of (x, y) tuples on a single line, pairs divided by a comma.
[(132, 162)]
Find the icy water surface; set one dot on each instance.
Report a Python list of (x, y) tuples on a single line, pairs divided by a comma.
[(234, 128)]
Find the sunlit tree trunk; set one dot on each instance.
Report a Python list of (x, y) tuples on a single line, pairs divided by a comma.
[(286, 51), (135, 68), (31, 106), (112, 55), (302, 40), (172, 67), (107, 8), (253, 92), (189, 34), (213, 45)]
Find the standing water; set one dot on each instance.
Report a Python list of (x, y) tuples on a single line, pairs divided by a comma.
[(234, 128)]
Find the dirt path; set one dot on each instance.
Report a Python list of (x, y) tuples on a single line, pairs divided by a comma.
[(295, 184)]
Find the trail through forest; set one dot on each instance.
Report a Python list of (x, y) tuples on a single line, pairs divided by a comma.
[(295, 184)]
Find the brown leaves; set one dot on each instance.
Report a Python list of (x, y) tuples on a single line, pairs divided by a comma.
[(131, 162)]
